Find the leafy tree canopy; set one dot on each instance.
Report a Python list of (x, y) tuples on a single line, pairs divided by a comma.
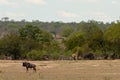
[(113, 33), (74, 40), (10, 45), (35, 33)]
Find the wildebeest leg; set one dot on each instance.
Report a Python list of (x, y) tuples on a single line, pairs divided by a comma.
[(26, 69), (34, 69)]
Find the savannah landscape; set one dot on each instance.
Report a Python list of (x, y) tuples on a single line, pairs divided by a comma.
[(61, 51), (62, 39), (61, 70)]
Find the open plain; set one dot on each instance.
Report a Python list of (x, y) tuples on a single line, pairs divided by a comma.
[(61, 70)]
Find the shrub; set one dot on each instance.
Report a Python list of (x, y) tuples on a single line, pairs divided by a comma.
[(36, 55)]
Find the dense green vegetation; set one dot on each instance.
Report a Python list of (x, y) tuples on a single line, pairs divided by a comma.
[(57, 40)]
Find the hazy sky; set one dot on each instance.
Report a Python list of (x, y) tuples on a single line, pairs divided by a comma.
[(61, 10)]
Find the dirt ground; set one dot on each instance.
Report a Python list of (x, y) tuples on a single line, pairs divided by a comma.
[(62, 70)]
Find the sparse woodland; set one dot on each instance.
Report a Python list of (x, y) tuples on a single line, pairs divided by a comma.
[(57, 40)]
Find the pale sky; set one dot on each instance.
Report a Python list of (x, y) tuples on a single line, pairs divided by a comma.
[(61, 10)]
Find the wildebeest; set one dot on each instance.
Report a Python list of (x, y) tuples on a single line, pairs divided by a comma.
[(89, 56), (29, 65)]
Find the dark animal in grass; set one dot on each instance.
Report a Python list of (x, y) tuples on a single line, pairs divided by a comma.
[(29, 65), (113, 56), (89, 56)]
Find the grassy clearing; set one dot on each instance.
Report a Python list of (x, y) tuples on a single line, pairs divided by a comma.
[(62, 70)]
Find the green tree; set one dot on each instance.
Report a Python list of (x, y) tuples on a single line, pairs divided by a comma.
[(89, 30), (93, 35), (67, 31), (96, 42), (28, 45), (74, 40), (112, 36), (13, 27), (34, 33), (10, 45), (29, 31), (34, 38)]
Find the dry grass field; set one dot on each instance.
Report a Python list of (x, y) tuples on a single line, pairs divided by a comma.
[(62, 70)]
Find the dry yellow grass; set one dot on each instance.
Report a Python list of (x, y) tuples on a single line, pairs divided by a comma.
[(62, 70)]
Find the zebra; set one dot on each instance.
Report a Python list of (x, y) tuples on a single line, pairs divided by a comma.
[(29, 65)]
